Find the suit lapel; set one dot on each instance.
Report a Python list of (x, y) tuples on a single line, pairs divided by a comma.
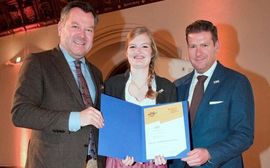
[(62, 66), (183, 91), (214, 83)]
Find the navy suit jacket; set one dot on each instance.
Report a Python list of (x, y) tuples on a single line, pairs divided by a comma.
[(224, 122)]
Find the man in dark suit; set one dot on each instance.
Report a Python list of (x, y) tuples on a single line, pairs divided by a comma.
[(223, 124), (49, 97)]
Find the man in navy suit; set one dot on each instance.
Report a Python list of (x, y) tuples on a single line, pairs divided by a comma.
[(223, 126)]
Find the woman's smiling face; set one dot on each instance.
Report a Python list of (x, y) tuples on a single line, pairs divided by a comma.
[(139, 51)]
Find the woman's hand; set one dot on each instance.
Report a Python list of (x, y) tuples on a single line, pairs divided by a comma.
[(128, 161), (160, 160)]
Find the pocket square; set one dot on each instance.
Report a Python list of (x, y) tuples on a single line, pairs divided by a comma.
[(215, 102)]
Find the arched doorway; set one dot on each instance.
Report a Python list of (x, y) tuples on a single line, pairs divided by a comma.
[(121, 68), (108, 53)]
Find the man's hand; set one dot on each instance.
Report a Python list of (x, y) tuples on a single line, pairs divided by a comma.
[(197, 157), (91, 116)]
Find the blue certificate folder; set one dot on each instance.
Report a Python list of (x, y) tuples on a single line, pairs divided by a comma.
[(124, 131)]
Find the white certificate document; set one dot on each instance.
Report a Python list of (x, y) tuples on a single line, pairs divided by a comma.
[(165, 130)]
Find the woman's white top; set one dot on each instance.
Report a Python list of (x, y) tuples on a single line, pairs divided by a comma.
[(144, 102)]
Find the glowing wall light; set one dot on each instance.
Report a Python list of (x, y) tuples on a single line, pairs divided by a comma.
[(25, 134), (15, 60), (21, 143)]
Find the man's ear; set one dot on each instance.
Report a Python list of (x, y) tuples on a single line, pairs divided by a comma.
[(217, 45), (59, 27)]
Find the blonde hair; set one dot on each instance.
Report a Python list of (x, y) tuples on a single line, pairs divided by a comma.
[(151, 73)]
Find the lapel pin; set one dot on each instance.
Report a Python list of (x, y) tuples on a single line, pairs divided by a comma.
[(216, 81), (160, 91)]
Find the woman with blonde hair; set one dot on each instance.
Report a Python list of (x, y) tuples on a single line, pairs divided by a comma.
[(141, 86)]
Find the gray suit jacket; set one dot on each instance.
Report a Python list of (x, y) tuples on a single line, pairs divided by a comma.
[(224, 122), (46, 93)]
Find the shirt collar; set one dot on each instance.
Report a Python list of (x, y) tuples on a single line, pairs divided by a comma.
[(68, 57), (209, 72)]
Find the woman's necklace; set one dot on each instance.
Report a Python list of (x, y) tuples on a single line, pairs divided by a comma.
[(137, 86), (138, 91)]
